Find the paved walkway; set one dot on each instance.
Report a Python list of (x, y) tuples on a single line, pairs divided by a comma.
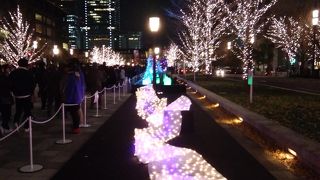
[(105, 150), (14, 151), (109, 153)]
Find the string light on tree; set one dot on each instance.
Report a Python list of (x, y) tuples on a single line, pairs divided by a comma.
[(106, 55), (204, 22), (172, 54), (18, 40), (244, 17), (286, 33)]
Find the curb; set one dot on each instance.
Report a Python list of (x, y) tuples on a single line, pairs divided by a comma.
[(307, 150)]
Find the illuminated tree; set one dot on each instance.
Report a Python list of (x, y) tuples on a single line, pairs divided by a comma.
[(204, 22), (245, 17), (214, 25), (172, 54), (191, 37), (106, 55), (313, 44), (286, 33), (18, 40)]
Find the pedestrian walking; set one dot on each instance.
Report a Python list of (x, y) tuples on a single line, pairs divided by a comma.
[(22, 86), (6, 99), (73, 90)]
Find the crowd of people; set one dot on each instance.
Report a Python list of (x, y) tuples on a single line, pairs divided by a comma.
[(56, 83)]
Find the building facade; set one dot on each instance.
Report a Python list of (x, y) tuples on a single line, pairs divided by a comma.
[(101, 23), (43, 16), (130, 40)]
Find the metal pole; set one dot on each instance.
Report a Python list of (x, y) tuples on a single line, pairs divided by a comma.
[(32, 167), (251, 92), (114, 94), (119, 91), (30, 143), (105, 98), (63, 140), (314, 50)]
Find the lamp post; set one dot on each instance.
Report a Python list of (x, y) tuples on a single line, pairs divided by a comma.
[(154, 25), (315, 22)]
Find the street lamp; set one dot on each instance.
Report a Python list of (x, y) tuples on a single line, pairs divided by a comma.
[(315, 22), (55, 50), (71, 52), (154, 25)]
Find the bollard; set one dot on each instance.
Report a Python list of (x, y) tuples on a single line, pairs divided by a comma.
[(32, 167), (63, 140)]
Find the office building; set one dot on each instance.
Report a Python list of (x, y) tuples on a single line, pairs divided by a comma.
[(130, 40), (101, 23)]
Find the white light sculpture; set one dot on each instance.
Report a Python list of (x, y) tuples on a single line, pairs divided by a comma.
[(166, 161)]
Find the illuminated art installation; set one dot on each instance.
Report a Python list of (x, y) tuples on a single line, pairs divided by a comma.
[(164, 123), (148, 74)]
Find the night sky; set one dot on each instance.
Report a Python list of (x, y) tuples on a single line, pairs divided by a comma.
[(135, 14)]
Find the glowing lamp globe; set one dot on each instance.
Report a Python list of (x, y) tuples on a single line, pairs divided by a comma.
[(154, 24)]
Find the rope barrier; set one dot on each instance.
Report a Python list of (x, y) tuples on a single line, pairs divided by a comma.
[(32, 167), (46, 121), (63, 140), (15, 130)]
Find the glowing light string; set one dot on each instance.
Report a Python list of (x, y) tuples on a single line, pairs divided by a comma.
[(164, 123)]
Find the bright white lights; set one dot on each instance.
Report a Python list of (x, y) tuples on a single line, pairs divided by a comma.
[(220, 73), (315, 17), (106, 55), (164, 123), (154, 24), (18, 41), (35, 44), (292, 152), (229, 45), (55, 50), (71, 51), (156, 50)]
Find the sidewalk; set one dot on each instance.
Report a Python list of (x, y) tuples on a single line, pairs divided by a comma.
[(14, 151)]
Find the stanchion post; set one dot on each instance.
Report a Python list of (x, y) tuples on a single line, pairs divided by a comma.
[(85, 125), (114, 94), (32, 167), (105, 98), (63, 140), (123, 87), (97, 105), (119, 91)]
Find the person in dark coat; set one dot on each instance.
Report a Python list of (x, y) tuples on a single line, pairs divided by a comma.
[(22, 86), (94, 82), (6, 100), (53, 79), (73, 90)]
